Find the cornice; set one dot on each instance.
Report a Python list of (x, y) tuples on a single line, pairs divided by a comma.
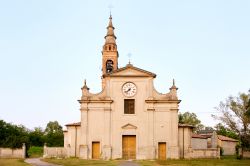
[(95, 101), (109, 75), (163, 101)]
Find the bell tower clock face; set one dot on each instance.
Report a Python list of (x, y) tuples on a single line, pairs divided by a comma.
[(129, 89)]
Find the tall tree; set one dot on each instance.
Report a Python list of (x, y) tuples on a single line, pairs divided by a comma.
[(13, 136), (54, 134), (191, 119), (234, 116)]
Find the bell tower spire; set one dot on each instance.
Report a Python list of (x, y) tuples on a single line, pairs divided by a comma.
[(109, 50)]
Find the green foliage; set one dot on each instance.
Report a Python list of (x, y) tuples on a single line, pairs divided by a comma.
[(13, 136), (222, 130), (234, 115), (191, 119), (35, 151), (54, 134), (237, 150), (37, 137), (221, 151), (248, 108)]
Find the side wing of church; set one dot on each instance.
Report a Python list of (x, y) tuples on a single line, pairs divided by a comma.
[(128, 119)]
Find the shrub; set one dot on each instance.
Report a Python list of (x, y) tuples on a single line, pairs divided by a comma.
[(35, 151), (221, 151)]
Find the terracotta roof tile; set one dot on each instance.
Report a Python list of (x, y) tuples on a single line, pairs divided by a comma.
[(207, 135), (224, 138), (198, 136)]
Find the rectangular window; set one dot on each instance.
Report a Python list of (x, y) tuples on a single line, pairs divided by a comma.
[(129, 106)]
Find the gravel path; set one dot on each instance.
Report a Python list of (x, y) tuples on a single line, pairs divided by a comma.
[(38, 162)]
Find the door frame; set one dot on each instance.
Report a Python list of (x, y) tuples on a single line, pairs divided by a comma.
[(135, 143), (165, 144), (92, 154)]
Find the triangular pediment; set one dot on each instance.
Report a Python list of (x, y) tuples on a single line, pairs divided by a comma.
[(130, 71), (129, 126)]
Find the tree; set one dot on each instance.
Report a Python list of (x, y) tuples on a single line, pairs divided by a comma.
[(222, 130), (234, 116), (54, 134), (13, 136), (36, 137), (248, 106), (191, 119)]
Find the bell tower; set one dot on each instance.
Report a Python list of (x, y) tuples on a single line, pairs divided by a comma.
[(109, 50)]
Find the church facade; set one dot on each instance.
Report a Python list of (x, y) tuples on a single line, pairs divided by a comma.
[(128, 119)]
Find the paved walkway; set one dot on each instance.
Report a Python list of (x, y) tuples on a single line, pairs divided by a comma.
[(38, 162), (128, 163)]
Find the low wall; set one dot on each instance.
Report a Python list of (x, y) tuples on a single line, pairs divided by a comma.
[(13, 153), (57, 152), (246, 154), (198, 143), (203, 153)]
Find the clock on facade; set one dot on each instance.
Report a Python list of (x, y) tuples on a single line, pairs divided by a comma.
[(129, 89)]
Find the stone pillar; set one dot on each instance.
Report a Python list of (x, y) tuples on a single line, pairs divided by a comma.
[(214, 140), (24, 151), (173, 143), (83, 149), (106, 150), (45, 154), (84, 125), (218, 153), (151, 153)]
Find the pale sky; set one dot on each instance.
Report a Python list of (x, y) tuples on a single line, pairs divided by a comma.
[(48, 48)]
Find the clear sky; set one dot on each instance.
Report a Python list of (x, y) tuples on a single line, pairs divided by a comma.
[(48, 48)]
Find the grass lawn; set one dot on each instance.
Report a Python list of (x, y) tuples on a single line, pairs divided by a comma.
[(198, 162), (79, 162), (35, 151), (12, 162)]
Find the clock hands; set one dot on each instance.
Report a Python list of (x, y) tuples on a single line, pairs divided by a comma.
[(128, 90)]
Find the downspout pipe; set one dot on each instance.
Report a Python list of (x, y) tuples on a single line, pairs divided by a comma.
[(75, 139), (183, 142)]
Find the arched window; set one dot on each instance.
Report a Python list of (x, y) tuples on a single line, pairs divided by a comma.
[(109, 66)]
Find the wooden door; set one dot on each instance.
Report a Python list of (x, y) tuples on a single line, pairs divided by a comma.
[(162, 151), (129, 147), (95, 150)]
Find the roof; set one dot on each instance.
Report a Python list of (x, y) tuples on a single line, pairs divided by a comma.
[(130, 66), (198, 136), (185, 125), (224, 138), (205, 131), (207, 135), (74, 124)]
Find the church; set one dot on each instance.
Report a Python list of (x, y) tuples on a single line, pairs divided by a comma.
[(128, 119)]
